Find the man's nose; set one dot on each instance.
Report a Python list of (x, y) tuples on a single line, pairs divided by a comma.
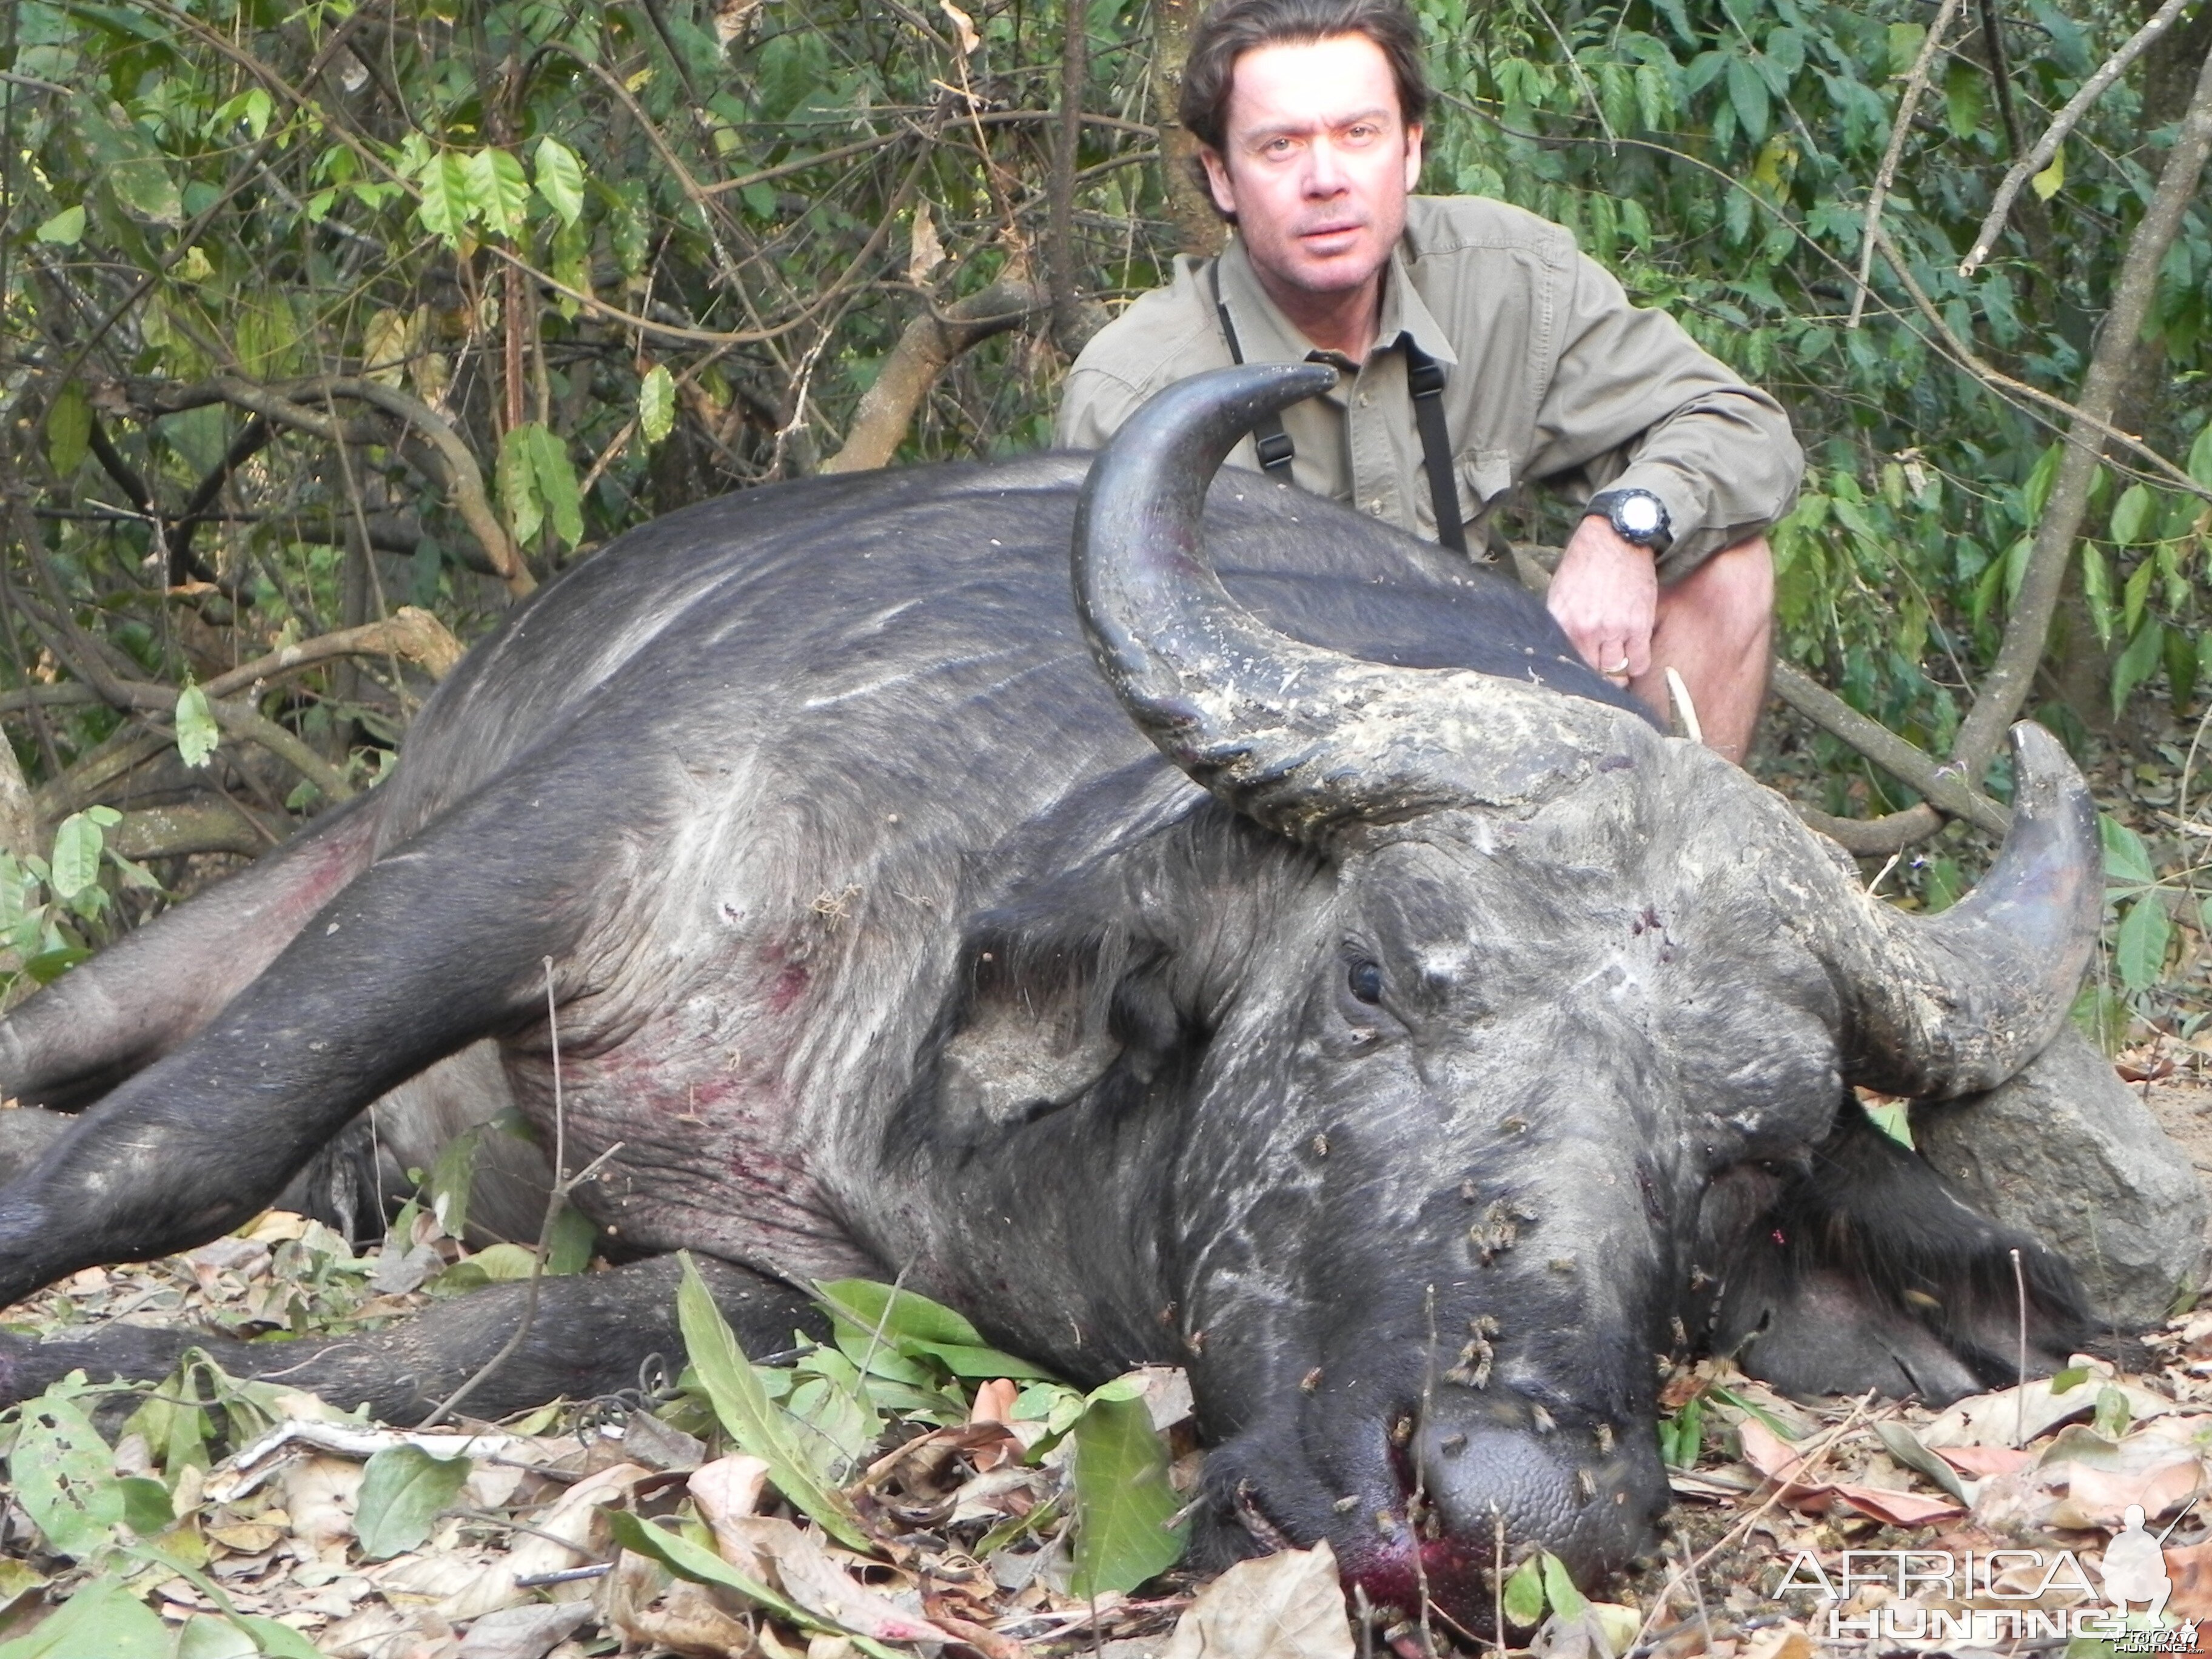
[(1324, 170)]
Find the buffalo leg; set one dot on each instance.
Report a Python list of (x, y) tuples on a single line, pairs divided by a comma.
[(592, 1333), (1870, 1271), (427, 950), (155, 987)]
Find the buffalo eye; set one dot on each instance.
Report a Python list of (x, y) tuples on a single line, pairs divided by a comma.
[(1366, 980)]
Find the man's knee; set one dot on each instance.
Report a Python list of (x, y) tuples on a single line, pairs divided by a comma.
[(1729, 598)]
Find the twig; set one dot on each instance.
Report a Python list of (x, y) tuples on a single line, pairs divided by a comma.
[(1814, 1457), (2020, 1394), (2005, 688), (556, 1201), (1945, 787), (2063, 122), (2000, 75), (1886, 175)]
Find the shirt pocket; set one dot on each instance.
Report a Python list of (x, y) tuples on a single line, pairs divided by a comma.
[(1485, 475)]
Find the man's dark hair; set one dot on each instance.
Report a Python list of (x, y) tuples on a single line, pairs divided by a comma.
[(1233, 27)]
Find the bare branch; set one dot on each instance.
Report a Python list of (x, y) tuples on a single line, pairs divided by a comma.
[(1945, 787), (930, 342), (213, 823), (464, 479), (2005, 690), (2080, 414), (1915, 84), (2066, 120)]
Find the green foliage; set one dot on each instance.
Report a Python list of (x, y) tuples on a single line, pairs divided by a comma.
[(758, 1426), (1126, 1529), (403, 1491)]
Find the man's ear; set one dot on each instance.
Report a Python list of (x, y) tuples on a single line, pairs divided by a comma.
[(1216, 177), (1413, 156)]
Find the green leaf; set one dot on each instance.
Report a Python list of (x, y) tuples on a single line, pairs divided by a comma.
[(103, 1618), (1523, 1600), (2126, 859), (2139, 953), (517, 478), (65, 229), (760, 1428), (900, 1314), (2136, 594), (2139, 661), (557, 482), (447, 204), (403, 1491), (126, 160), (656, 403), (561, 179), (2132, 514), (197, 734), (1559, 1589), (573, 1239), (76, 866), (2200, 460), (451, 1178), (65, 1475), (2097, 591), (69, 429), (2113, 1415), (498, 192), (1894, 1119), (1748, 96), (1124, 1505), (2052, 180)]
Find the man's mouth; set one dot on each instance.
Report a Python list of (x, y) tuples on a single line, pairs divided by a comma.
[(1329, 238)]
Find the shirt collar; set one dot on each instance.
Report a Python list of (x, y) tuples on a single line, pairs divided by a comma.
[(1268, 336)]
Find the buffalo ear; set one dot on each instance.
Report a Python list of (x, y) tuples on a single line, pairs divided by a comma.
[(1868, 1271)]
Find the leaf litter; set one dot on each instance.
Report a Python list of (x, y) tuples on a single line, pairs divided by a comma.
[(904, 1488)]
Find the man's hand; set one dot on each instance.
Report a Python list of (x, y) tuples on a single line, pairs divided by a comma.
[(1605, 596)]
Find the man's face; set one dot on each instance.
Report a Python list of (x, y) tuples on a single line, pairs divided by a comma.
[(1317, 162)]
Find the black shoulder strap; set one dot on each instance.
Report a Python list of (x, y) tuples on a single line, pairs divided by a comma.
[(1425, 378), (1267, 436)]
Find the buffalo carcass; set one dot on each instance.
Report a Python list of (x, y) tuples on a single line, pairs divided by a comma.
[(1344, 994)]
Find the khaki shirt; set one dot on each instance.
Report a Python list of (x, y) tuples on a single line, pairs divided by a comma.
[(1551, 375)]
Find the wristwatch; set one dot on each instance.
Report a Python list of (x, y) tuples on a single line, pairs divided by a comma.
[(1636, 515)]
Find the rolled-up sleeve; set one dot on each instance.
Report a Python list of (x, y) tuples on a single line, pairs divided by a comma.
[(1093, 405), (1634, 403)]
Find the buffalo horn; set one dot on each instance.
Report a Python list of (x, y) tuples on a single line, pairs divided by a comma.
[(1303, 740), (1957, 1002)]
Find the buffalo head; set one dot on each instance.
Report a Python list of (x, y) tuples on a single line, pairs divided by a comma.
[(1548, 1075)]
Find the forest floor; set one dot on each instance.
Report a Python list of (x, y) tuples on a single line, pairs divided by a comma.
[(259, 1520)]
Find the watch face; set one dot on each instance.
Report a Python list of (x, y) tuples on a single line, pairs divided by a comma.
[(1638, 515)]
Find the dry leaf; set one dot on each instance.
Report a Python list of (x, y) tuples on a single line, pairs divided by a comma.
[(1785, 1641), (960, 21), (2008, 1414), (1979, 1462), (525, 1632), (1287, 1606), (2100, 1497), (2190, 1572), (1780, 1463), (727, 1489), (573, 1517), (1898, 1509), (318, 1496), (925, 252), (643, 1606), (779, 1553)]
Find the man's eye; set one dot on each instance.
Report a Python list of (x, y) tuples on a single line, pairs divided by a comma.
[(1366, 980)]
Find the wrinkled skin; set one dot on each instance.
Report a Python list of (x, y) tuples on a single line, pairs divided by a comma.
[(1460, 1047)]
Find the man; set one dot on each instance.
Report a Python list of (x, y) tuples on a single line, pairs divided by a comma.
[(1308, 114)]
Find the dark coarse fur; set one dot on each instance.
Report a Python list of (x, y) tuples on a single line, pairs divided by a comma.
[(884, 943)]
